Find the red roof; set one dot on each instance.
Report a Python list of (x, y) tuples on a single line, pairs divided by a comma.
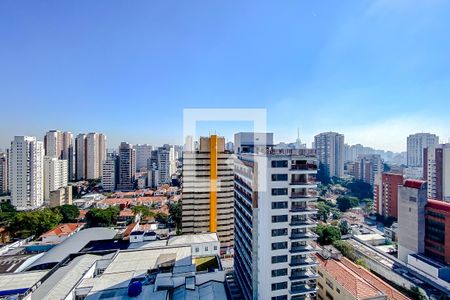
[(413, 183), (437, 204), (63, 229)]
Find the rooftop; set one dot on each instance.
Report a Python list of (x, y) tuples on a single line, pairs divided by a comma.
[(63, 229), (440, 205), (414, 183), (18, 283), (358, 281), (192, 239)]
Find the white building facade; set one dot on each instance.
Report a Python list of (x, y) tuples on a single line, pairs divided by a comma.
[(416, 143), (27, 171), (273, 252), (330, 152), (55, 175)]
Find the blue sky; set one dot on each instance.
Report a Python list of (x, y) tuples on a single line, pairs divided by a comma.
[(373, 70)]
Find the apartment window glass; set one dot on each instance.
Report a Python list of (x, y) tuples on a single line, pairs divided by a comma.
[(279, 219), (279, 192), (279, 232), (279, 205), (279, 246), (279, 286), (279, 272), (279, 259), (279, 163), (279, 177)]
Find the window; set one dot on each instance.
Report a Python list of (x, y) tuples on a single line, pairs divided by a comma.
[(413, 199), (206, 249), (279, 232), (279, 192), (279, 219), (329, 283), (279, 177), (338, 290), (279, 259), (279, 246), (279, 205), (279, 286), (320, 285), (320, 273), (215, 248), (329, 296), (279, 272), (279, 163), (197, 250)]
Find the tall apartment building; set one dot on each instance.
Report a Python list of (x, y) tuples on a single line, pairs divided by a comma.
[(91, 152), (110, 169), (412, 198), (436, 171), (143, 154), (368, 167), (166, 163), (60, 145), (253, 142), (55, 175), (416, 143), (274, 256), (127, 166), (208, 191), (330, 152), (152, 170), (27, 171), (437, 228), (4, 165), (385, 193)]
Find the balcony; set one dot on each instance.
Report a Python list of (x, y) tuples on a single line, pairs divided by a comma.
[(303, 250), (301, 276), (303, 263), (304, 167), (303, 236), (302, 223), (303, 210), (300, 195), (303, 289)]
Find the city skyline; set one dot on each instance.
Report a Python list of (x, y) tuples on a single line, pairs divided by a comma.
[(373, 71)]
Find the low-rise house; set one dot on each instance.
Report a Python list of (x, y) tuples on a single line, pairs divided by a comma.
[(61, 232)]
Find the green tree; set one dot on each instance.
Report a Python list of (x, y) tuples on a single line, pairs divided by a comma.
[(97, 217), (25, 224), (141, 209), (416, 293), (161, 217), (343, 227), (346, 249), (361, 262), (70, 213), (175, 211), (327, 234), (7, 207), (323, 211), (344, 203)]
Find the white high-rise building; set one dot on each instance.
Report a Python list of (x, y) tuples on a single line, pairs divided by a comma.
[(436, 171), (110, 169), (90, 154), (143, 154), (330, 152), (416, 143), (60, 145), (55, 175), (166, 164), (273, 252), (27, 172)]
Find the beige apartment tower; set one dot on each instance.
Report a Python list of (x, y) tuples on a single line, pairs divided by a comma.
[(208, 175)]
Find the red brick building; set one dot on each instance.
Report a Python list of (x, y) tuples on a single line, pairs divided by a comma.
[(437, 224), (385, 193)]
